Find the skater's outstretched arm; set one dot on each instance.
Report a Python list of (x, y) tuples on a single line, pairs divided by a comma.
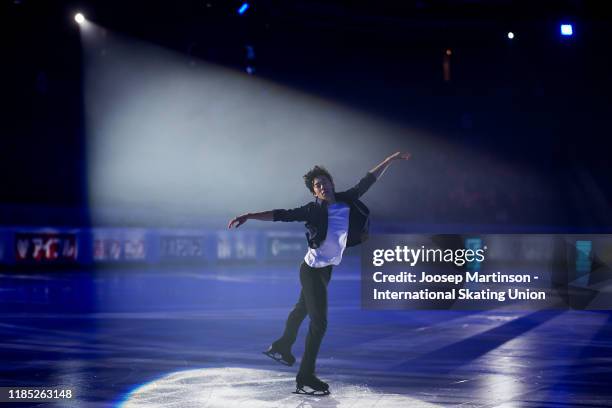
[(294, 214), (381, 167), (241, 219)]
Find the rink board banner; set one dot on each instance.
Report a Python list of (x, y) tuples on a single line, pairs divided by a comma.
[(492, 271), (184, 246), (4, 244), (46, 247), (119, 245), (285, 245), (232, 246)]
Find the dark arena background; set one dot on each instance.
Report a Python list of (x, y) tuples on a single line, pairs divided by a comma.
[(129, 139)]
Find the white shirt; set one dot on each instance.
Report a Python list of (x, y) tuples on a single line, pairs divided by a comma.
[(330, 251)]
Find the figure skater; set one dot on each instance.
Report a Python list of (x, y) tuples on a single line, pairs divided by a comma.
[(334, 221)]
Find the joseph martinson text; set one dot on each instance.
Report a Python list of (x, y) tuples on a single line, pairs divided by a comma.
[(459, 293)]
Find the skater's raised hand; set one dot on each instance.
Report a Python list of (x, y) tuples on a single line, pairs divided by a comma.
[(238, 221), (400, 156), (380, 168)]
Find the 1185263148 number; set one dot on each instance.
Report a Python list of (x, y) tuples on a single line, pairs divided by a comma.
[(10, 394)]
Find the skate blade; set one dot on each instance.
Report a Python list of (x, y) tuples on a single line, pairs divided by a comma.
[(274, 357), (302, 391)]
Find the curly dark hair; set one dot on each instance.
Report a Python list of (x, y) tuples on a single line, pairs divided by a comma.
[(316, 171)]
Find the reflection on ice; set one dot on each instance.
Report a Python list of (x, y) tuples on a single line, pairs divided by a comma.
[(254, 388)]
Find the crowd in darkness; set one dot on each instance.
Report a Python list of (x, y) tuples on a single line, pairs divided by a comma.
[(476, 190)]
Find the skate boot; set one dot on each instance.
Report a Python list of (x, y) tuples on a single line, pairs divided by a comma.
[(281, 355), (317, 386)]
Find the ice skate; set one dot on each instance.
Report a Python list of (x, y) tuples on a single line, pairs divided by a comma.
[(317, 386), (282, 356)]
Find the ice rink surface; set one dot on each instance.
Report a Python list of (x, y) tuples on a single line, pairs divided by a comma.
[(193, 336)]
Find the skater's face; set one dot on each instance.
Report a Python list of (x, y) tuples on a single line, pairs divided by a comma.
[(323, 188)]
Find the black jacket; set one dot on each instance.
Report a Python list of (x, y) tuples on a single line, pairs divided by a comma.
[(314, 214)]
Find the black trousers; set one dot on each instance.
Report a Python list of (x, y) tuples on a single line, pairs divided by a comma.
[(312, 302)]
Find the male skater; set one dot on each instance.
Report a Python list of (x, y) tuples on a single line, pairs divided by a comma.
[(334, 221)]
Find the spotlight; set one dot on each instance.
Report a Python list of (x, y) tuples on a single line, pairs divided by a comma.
[(243, 8), (567, 29), (510, 35), (79, 18)]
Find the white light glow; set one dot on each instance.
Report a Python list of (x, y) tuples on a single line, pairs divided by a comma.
[(165, 136), (79, 18), (567, 29), (234, 386)]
